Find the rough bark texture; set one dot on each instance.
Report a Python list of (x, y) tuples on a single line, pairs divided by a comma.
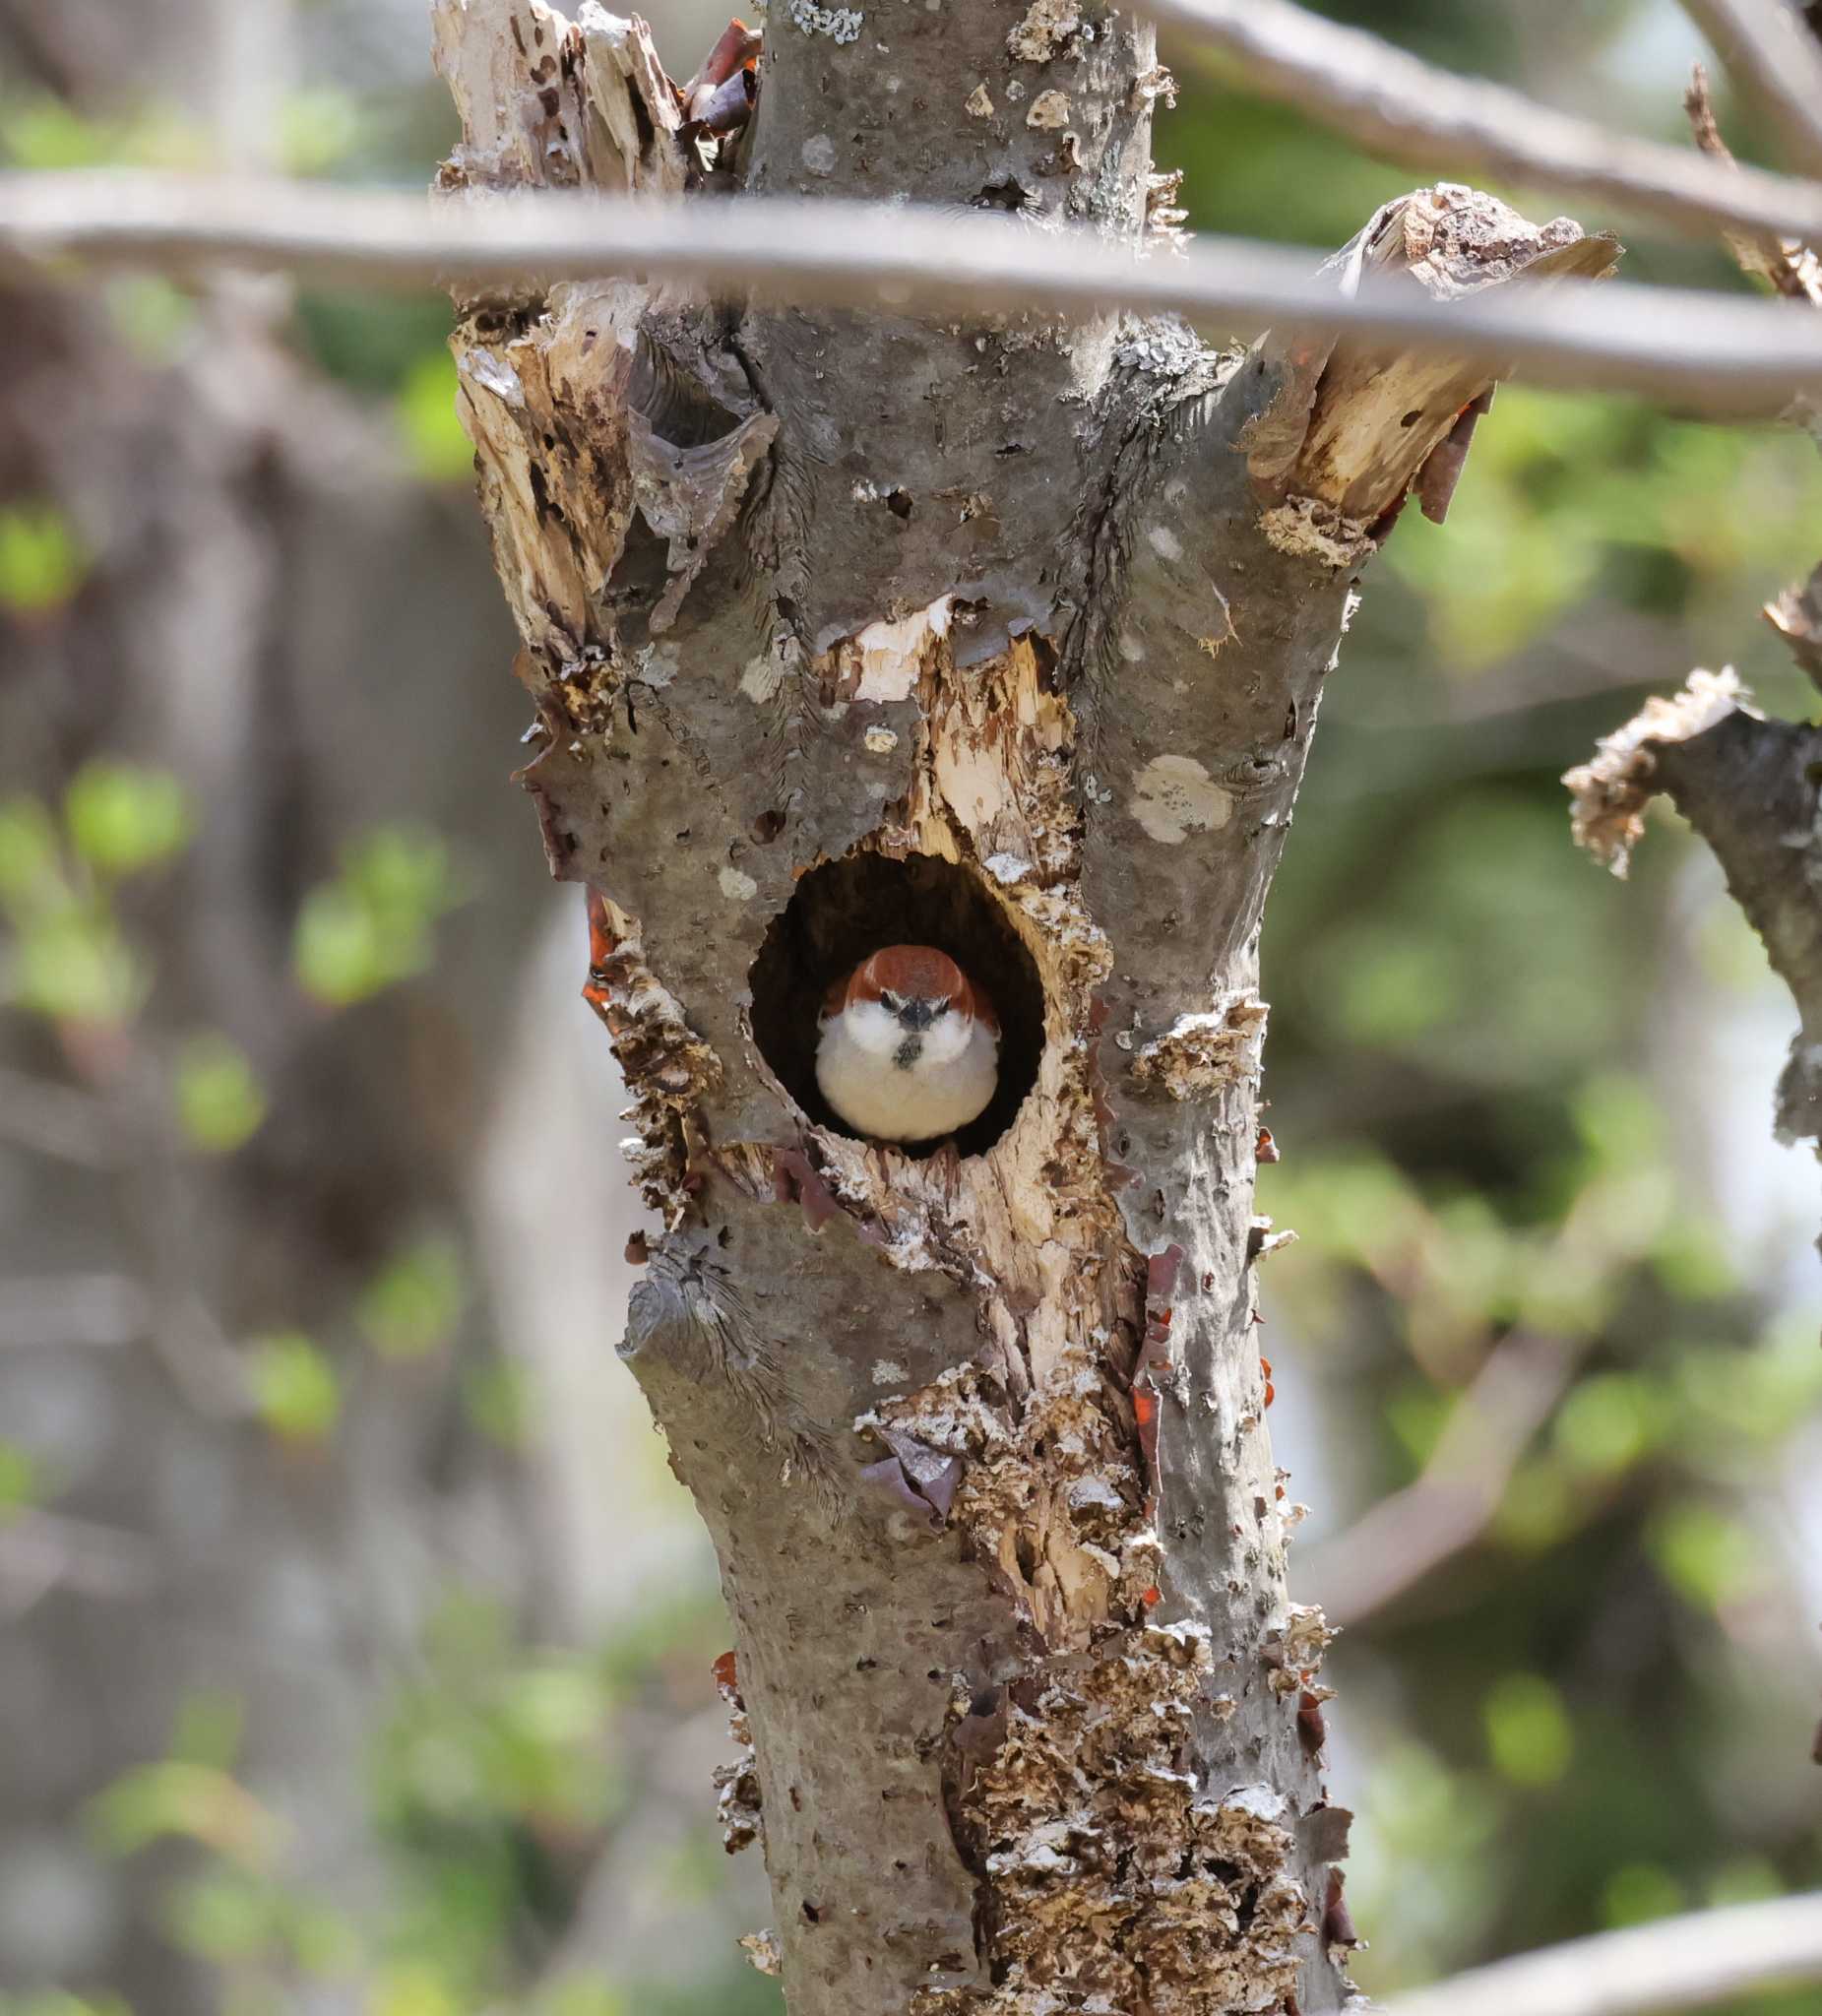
[(849, 628)]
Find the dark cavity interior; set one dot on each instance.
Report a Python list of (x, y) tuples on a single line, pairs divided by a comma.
[(848, 908)]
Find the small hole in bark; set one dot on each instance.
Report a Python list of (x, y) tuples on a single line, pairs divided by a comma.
[(1007, 193), (811, 1914), (847, 908), (898, 503), (1411, 418)]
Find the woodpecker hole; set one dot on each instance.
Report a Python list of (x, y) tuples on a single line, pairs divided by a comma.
[(845, 909)]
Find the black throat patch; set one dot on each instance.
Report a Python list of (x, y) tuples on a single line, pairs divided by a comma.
[(908, 1052)]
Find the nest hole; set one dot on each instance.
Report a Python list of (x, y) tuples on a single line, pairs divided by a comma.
[(845, 909)]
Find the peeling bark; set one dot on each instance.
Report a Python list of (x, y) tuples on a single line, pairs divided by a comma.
[(850, 628)]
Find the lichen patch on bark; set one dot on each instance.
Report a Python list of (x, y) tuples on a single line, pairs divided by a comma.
[(1608, 793), (1118, 1881), (1198, 1054)]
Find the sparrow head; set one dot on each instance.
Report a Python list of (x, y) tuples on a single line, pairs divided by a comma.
[(911, 994)]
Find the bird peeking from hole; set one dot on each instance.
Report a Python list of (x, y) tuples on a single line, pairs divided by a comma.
[(908, 1048)]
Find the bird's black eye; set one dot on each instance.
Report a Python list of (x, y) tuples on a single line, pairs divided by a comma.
[(941, 1008), (889, 1001)]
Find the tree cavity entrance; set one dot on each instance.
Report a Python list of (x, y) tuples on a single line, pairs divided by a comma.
[(845, 909)]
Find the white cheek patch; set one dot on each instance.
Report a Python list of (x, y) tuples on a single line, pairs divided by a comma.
[(875, 1028)]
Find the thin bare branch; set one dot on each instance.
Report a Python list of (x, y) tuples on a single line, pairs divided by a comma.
[(1651, 1969), (56, 1119), (1770, 49), (1409, 1535), (94, 1309), (1393, 103), (1707, 351)]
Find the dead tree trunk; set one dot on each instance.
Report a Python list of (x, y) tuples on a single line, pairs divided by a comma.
[(1008, 635)]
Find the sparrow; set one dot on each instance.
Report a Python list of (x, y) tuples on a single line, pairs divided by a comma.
[(908, 1047)]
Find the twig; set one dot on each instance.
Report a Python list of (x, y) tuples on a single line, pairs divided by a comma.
[(1709, 351), (1649, 1969), (1403, 1538), (1783, 263), (44, 1551), (56, 1119), (94, 1309), (1395, 104), (1771, 49)]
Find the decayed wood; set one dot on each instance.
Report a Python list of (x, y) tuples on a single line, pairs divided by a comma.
[(1007, 632)]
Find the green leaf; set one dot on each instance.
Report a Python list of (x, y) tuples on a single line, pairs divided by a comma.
[(1528, 1735), (30, 872), (73, 965), (411, 1991), (426, 417), (176, 1799), (20, 1481), (372, 926), (294, 1387), (1640, 1892), (222, 1917), (413, 1304), (1706, 1555), (41, 566), (317, 131), (1609, 1421), (124, 817), (219, 1102)]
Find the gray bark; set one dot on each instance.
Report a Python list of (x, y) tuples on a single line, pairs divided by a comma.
[(844, 628)]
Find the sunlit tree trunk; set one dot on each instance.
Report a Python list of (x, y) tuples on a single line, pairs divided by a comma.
[(1009, 635)]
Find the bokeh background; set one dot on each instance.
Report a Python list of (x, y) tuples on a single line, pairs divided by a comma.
[(354, 1640)]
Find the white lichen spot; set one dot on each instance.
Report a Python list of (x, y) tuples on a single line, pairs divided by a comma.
[(881, 741), (838, 23), (819, 154), (1175, 797), (1131, 649), (738, 887), (1163, 543), (494, 374), (761, 679), (891, 653), (1045, 31), (1014, 89), (1049, 111), (978, 105), (1007, 868), (889, 1372), (657, 664)]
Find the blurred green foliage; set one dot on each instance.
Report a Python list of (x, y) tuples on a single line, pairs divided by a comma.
[(40, 561), (73, 960), (372, 925), (295, 1388), (219, 1103), (411, 1306)]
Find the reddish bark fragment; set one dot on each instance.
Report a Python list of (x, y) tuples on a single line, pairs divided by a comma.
[(796, 1180)]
